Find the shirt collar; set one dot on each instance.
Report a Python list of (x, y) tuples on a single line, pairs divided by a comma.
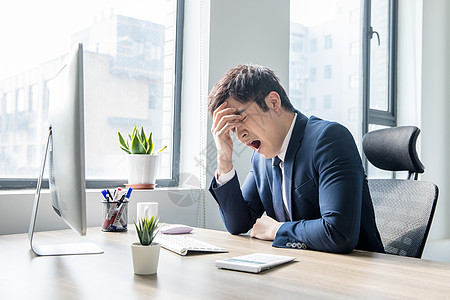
[(286, 140)]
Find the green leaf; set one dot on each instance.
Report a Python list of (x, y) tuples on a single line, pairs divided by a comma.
[(143, 139), (136, 146), (137, 142), (147, 229), (160, 150), (133, 133), (123, 145), (125, 149), (150, 143)]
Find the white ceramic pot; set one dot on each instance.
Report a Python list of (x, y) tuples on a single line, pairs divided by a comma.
[(142, 170), (145, 258)]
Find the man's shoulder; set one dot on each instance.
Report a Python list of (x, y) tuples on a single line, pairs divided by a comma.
[(317, 126)]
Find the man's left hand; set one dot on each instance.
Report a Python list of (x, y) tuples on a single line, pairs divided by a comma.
[(265, 228)]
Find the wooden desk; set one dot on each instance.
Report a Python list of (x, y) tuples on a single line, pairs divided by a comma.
[(312, 275)]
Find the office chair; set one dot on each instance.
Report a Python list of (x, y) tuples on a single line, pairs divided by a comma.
[(404, 208)]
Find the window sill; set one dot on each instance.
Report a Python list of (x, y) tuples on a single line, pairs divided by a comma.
[(95, 191)]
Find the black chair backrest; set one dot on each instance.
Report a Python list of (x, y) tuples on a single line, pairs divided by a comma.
[(404, 209), (403, 212), (394, 149)]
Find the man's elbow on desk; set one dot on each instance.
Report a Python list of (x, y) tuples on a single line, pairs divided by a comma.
[(326, 240)]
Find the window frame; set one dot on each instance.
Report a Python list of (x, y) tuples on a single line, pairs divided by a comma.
[(31, 183), (374, 116)]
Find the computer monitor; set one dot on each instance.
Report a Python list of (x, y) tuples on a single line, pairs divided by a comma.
[(65, 149)]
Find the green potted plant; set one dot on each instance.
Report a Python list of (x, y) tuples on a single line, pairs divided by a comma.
[(142, 161), (145, 253)]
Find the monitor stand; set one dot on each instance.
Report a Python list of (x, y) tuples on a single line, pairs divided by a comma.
[(58, 249)]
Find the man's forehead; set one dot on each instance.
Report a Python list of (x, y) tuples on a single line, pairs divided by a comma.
[(241, 107)]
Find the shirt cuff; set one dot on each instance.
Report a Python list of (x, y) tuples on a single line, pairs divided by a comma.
[(224, 178)]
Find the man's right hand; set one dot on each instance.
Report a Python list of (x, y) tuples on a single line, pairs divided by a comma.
[(225, 119)]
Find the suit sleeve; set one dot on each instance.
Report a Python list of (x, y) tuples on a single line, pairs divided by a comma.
[(340, 181), (238, 207)]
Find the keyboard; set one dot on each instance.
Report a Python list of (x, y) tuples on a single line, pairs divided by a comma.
[(182, 244)]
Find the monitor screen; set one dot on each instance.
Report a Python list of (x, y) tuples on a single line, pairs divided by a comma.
[(66, 151), (66, 162)]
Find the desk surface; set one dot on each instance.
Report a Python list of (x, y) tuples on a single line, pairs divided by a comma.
[(110, 275)]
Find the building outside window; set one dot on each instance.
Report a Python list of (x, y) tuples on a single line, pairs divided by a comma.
[(327, 21), (129, 73), (328, 41), (354, 48), (359, 80), (313, 45), (353, 81), (328, 72), (327, 102), (312, 103), (33, 97), (20, 100), (312, 74)]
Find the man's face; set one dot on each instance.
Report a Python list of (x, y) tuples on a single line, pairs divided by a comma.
[(259, 130)]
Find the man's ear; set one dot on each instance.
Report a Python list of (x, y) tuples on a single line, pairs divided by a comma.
[(273, 101)]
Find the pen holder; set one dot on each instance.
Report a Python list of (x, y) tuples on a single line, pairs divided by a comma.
[(115, 215)]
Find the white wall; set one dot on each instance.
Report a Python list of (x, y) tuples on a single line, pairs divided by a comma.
[(435, 107), (175, 206), (424, 90)]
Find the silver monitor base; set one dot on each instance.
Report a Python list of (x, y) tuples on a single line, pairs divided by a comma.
[(67, 249), (59, 249)]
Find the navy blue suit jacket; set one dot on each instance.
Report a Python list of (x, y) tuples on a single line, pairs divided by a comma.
[(326, 189)]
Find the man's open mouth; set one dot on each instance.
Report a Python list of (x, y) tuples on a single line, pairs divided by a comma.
[(255, 144)]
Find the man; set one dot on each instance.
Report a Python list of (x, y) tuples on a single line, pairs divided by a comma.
[(306, 173)]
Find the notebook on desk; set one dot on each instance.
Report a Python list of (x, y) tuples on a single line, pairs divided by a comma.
[(253, 263)]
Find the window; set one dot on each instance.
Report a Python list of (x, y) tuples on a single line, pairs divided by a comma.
[(327, 102), (328, 72), (33, 97), (328, 41), (361, 84), (313, 47), (379, 64), (327, 21), (312, 74), (20, 100), (131, 60), (379, 55)]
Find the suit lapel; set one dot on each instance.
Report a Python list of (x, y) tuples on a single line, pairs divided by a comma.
[(295, 142)]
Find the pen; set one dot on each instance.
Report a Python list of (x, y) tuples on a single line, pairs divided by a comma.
[(129, 193), (112, 211), (109, 193), (119, 218), (117, 194), (107, 222), (127, 196)]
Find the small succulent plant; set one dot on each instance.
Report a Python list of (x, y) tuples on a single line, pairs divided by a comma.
[(147, 229), (137, 142)]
